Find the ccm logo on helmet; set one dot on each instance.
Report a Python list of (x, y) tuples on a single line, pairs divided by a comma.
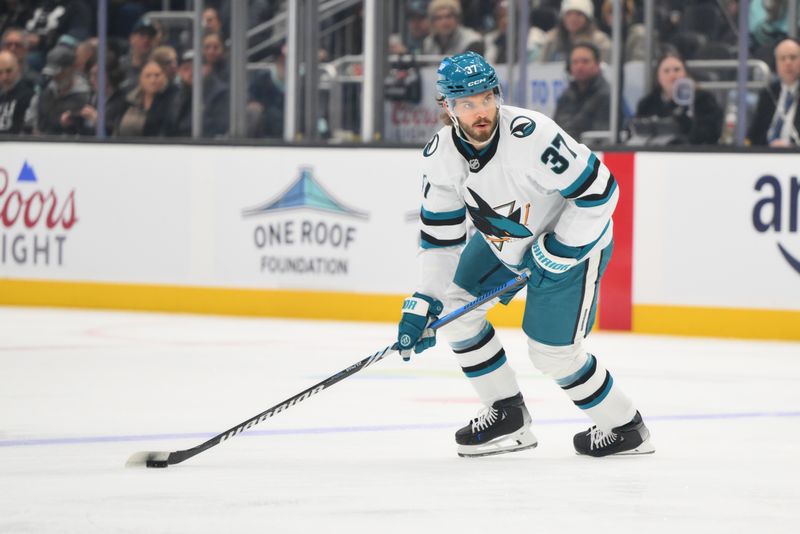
[(476, 82)]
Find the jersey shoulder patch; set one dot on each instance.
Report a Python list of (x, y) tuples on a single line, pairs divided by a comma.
[(522, 126)]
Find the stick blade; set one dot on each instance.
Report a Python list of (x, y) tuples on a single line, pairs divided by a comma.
[(148, 459)]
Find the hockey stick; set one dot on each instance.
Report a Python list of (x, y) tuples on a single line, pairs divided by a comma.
[(164, 459)]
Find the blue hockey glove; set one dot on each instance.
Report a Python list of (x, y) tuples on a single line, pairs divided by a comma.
[(419, 311), (548, 260)]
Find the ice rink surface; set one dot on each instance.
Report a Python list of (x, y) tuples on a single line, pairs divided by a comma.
[(81, 391)]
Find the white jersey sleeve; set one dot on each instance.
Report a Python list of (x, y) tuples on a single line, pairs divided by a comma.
[(443, 230), (585, 183)]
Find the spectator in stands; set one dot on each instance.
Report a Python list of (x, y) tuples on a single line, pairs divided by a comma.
[(266, 100), (699, 122), (776, 121), (211, 21), (14, 41), (216, 96), (167, 57), (496, 41), (143, 39), (543, 19), (214, 61), (56, 109), (768, 27), (586, 103), (149, 110), (448, 37), (634, 33), (418, 27), (15, 96), (85, 53), (115, 96), (577, 24)]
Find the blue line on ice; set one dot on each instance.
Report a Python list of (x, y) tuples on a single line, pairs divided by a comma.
[(353, 429)]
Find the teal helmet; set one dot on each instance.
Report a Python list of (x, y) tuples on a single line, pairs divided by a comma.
[(465, 75)]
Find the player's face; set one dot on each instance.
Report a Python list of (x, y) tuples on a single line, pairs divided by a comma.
[(477, 115)]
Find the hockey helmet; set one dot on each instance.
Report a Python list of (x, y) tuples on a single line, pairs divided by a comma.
[(465, 75)]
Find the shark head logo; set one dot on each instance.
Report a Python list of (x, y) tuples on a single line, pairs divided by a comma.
[(522, 126), (496, 227)]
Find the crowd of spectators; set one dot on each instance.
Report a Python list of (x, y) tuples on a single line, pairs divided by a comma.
[(48, 64), (577, 33), (48, 70)]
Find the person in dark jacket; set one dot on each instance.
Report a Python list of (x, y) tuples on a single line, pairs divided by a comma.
[(116, 105), (698, 121), (216, 111), (15, 96), (776, 121), (150, 107), (586, 104), (56, 109)]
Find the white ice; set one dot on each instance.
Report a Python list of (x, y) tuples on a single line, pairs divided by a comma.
[(80, 391)]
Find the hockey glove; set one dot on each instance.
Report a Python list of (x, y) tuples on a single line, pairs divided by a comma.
[(419, 311), (548, 260)]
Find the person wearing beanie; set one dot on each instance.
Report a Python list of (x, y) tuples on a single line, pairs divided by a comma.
[(448, 36), (576, 25)]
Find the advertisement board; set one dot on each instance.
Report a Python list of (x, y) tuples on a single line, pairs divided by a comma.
[(717, 230), (705, 244), (215, 216)]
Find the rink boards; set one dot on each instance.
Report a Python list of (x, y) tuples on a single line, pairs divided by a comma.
[(706, 243)]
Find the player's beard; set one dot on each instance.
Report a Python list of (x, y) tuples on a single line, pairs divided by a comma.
[(481, 135)]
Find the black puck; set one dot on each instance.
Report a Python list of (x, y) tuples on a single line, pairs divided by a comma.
[(157, 463)]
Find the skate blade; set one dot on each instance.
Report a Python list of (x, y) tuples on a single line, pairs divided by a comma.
[(502, 445), (645, 448)]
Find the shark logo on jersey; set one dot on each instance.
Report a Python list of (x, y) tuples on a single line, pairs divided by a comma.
[(522, 126), (431, 147), (496, 227)]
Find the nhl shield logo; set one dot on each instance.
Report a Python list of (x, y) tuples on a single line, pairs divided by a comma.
[(474, 164), (522, 126)]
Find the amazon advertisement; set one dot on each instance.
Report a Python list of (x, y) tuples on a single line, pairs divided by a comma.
[(718, 230)]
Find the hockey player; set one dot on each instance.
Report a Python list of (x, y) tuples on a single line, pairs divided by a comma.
[(541, 202)]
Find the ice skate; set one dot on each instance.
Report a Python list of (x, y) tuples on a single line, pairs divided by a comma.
[(628, 439), (500, 428)]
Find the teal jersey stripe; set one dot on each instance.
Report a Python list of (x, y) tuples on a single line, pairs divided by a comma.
[(487, 370), (598, 202), (582, 178), (441, 215), (600, 397)]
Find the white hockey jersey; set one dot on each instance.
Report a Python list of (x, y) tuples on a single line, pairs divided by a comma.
[(530, 179)]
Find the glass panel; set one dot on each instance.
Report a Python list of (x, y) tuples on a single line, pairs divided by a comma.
[(49, 67)]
